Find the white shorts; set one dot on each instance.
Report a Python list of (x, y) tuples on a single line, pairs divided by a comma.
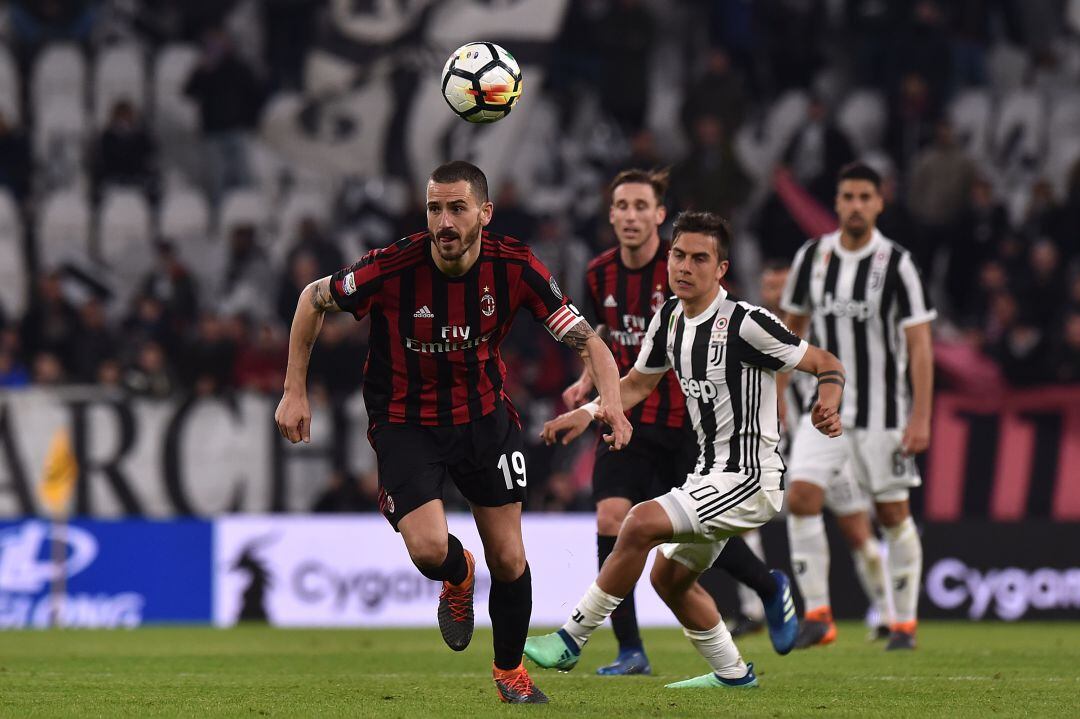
[(871, 458), (705, 512)]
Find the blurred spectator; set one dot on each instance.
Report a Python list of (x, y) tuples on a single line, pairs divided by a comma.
[(302, 269), (1043, 218), (337, 361), (171, 284), (261, 358), (514, 219), (37, 22), (910, 120), (773, 276), (625, 43), (1065, 361), (817, 151), (719, 92), (348, 493), (710, 177), (312, 240), (791, 37), (938, 191), (97, 342), (288, 33), (51, 323), (562, 494), (247, 275), (48, 369), (149, 374), (978, 235), (210, 357), (643, 154), (230, 96), (110, 373), (1042, 287), (149, 322), (924, 49), (13, 373), (126, 154), (15, 164)]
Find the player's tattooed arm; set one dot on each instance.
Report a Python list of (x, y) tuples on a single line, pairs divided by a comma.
[(320, 296), (578, 336)]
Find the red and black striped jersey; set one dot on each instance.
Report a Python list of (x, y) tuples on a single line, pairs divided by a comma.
[(434, 346), (624, 300)]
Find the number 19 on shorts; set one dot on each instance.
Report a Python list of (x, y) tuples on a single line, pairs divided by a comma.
[(516, 463)]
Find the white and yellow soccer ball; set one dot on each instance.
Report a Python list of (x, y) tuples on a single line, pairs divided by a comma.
[(481, 82)]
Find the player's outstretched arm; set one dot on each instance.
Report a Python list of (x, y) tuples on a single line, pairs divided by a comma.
[(825, 413), (921, 366), (634, 387), (605, 375), (293, 415), (578, 393), (797, 324)]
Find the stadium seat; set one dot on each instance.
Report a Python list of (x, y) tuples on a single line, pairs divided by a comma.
[(123, 239), (1007, 66), (971, 114), (59, 142), (119, 74), (242, 206), (1064, 114), (10, 93), (13, 272), (185, 220), (173, 111), (59, 72), (1020, 129), (786, 115), (298, 205), (863, 117), (63, 229)]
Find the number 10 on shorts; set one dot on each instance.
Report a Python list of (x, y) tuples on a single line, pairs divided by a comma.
[(517, 462)]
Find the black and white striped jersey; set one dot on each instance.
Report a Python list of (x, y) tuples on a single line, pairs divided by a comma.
[(859, 304), (725, 359)]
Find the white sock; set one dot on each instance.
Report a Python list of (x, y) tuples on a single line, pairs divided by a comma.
[(749, 601), (596, 606), (870, 568), (719, 651), (810, 559), (905, 568)]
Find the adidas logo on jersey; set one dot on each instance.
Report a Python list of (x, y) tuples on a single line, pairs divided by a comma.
[(609, 301), (424, 313)]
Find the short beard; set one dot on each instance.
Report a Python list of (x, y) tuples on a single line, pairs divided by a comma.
[(857, 233), (465, 244)]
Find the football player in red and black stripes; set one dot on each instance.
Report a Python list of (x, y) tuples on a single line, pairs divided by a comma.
[(440, 303), (627, 285)]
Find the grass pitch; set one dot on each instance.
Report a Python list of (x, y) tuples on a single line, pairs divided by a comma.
[(960, 669)]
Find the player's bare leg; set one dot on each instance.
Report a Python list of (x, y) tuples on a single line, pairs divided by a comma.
[(905, 569), (610, 514), (646, 526), (869, 567), (510, 600), (695, 609), (810, 560), (439, 556)]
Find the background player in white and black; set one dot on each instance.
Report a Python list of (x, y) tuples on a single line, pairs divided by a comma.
[(725, 355), (627, 284), (863, 299)]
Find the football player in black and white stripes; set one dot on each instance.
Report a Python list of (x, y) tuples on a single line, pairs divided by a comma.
[(861, 296), (725, 354)]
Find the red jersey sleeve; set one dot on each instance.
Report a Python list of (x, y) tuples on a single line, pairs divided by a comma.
[(354, 287), (546, 300)]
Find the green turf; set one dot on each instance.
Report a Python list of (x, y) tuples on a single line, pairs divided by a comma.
[(976, 670)]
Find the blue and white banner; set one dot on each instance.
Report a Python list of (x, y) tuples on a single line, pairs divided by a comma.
[(115, 574)]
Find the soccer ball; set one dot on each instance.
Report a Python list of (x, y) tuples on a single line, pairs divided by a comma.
[(481, 82)]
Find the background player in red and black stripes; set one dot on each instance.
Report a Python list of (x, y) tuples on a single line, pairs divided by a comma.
[(440, 303), (627, 285)]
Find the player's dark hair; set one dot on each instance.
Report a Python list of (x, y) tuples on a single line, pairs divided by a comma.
[(458, 170), (657, 179), (860, 171), (704, 223)]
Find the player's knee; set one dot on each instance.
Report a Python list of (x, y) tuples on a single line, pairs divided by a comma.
[(641, 529), (506, 564), (428, 555), (892, 514), (609, 518), (805, 498)]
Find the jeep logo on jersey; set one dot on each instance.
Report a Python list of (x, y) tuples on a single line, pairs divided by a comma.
[(698, 389), (855, 309)]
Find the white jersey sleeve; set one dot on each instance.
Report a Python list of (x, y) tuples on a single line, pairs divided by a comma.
[(913, 302), (796, 295), (653, 356), (777, 348)]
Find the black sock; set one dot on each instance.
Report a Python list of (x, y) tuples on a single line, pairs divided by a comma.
[(454, 568), (741, 563), (510, 607), (624, 618)]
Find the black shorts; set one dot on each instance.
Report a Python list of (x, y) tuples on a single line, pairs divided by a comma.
[(656, 460), (485, 460)]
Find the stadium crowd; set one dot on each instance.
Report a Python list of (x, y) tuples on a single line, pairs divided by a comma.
[(970, 109)]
